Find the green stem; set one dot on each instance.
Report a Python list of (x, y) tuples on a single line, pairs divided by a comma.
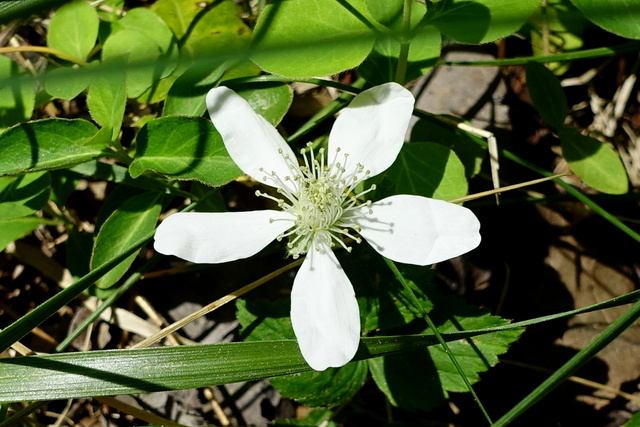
[(433, 328), (405, 43), (560, 57)]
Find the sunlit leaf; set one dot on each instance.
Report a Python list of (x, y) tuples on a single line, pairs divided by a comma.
[(430, 170), (619, 16), (48, 144), (306, 38), (17, 96), (185, 148), (24, 194), (594, 162), (134, 219), (480, 21), (74, 29)]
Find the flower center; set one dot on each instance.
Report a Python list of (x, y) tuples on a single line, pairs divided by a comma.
[(323, 202)]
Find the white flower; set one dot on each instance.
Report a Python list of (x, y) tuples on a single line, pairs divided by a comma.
[(319, 210)]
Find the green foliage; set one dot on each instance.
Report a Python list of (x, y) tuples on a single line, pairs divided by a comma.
[(118, 97), (134, 219), (48, 144), (328, 36), (430, 170), (17, 99), (24, 194), (594, 162), (74, 29), (185, 148), (619, 17), (547, 94)]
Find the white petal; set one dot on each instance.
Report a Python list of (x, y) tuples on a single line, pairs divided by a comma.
[(372, 128), (418, 230), (211, 238), (252, 142), (324, 311)]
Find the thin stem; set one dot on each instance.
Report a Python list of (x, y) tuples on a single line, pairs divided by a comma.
[(434, 329), (43, 49), (213, 306), (405, 43)]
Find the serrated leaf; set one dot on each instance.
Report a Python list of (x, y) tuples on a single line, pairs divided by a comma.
[(74, 29), (421, 379), (480, 22), (265, 320), (475, 355), (185, 148), (14, 228), (24, 194), (547, 94), (306, 38), (619, 16), (594, 162), (17, 95), (48, 144), (429, 170), (134, 219)]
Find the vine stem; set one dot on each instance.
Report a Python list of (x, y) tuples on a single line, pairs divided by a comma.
[(432, 326)]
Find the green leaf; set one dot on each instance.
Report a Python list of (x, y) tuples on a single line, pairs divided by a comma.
[(14, 228), (421, 379), (111, 372), (74, 29), (595, 163), (179, 14), (331, 387), (480, 22), (547, 94), (271, 101), (17, 96), (48, 144), (22, 195), (187, 94), (470, 153), (430, 170), (475, 355), (306, 38), (66, 82), (139, 54), (619, 16), (409, 380), (106, 100), (265, 320), (184, 148), (134, 219)]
